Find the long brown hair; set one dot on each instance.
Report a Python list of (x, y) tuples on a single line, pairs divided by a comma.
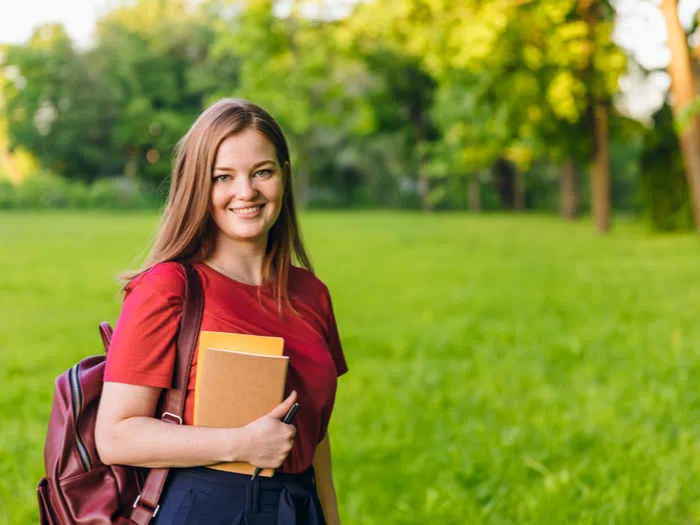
[(187, 231)]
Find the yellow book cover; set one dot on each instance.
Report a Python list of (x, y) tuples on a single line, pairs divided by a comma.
[(254, 344)]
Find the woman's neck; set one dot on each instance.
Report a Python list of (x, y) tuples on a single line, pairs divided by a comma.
[(241, 263)]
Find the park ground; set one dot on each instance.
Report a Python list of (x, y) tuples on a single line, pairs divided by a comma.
[(503, 369)]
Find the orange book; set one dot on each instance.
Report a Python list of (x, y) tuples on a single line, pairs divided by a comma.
[(254, 344), (235, 387)]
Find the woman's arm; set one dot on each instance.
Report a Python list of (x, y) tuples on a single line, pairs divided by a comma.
[(126, 433), (324, 481)]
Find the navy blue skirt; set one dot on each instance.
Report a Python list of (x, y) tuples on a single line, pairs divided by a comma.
[(205, 496)]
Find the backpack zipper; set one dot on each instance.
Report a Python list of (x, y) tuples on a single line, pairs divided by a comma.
[(77, 402)]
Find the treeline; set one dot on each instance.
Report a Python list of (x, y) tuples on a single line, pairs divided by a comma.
[(397, 103)]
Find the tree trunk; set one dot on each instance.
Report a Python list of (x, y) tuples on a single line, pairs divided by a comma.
[(591, 12), (682, 95), (695, 59), (424, 188), (569, 191), (419, 120), (504, 181), (519, 190), (474, 194), (600, 171), (131, 169)]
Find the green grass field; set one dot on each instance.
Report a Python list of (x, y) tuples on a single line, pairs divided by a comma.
[(504, 369)]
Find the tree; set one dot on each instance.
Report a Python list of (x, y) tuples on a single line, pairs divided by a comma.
[(120, 107), (156, 56), (515, 80), (400, 96), (683, 92), (294, 68), (52, 102)]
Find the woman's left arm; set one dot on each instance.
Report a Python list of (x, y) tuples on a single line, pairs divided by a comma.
[(324, 481)]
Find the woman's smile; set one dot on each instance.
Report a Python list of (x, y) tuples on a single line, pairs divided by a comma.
[(247, 212)]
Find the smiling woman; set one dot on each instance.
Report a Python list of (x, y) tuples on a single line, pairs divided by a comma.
[(231, 216)]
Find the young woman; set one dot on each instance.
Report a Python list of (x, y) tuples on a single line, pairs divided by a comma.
[(230, 214)]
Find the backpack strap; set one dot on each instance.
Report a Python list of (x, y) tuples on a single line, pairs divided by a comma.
[(173, 404)]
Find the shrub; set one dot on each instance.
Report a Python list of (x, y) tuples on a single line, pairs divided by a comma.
[(121, 193), (7, 194), (47, 190)]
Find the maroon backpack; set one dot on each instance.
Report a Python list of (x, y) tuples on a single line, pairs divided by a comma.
[(78, 487)]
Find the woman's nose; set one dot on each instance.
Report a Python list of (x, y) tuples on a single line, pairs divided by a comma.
[(244, 188)]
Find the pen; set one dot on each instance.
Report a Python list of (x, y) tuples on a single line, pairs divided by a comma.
[(286, 419)]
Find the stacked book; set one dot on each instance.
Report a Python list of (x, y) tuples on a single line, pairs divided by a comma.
[(239, 378)]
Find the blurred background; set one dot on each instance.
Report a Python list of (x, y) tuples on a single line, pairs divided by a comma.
[(560, 106), (503, 197)]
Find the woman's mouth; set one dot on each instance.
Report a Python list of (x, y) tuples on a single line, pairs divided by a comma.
[(247, 211)]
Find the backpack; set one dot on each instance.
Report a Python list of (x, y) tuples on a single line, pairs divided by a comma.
[(78, 488)]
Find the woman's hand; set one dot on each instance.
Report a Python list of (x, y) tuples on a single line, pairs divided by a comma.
[(268, 439)]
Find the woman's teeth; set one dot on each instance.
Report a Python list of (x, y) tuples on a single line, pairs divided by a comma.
[(249, 210)]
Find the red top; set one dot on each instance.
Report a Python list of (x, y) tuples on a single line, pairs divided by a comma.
[(142, 351)]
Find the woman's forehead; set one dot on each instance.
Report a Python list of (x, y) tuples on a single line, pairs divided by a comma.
[(241, 150)]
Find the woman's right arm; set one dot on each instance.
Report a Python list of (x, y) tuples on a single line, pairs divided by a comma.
[(126, 433)]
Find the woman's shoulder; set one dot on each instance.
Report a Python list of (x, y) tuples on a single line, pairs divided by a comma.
[(168, 277), (305, 285), (306, 279)]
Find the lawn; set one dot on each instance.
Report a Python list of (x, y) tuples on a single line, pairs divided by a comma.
[(503, 369)]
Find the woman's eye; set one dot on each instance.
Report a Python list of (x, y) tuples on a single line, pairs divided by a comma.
[(221, 178), (263, 174)]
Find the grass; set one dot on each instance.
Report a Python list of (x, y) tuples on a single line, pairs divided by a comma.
[(504, 369)]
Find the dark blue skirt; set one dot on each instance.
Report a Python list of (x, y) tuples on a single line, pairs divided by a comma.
[(212, 497)]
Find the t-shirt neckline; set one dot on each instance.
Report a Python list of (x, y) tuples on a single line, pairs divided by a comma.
[(236, 282)]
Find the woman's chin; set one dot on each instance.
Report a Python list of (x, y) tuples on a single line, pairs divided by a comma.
[(246, 235)]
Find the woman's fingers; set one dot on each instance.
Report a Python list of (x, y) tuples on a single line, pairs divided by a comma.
[(280, 410)]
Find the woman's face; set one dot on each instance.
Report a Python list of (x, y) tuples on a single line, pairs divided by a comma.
[(247, 188)]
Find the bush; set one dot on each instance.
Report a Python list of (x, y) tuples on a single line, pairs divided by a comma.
[(121, 193), (7, 194), (47, 190)]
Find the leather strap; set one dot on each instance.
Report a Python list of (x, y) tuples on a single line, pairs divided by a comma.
[(173, 403), (106, 335)]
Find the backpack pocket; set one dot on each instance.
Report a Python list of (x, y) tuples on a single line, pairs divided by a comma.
[(91, 497)]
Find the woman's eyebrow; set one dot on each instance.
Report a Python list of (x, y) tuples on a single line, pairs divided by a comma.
[(255, 166)]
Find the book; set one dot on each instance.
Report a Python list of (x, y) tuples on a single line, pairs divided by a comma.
[(255, 344), (234, 387)]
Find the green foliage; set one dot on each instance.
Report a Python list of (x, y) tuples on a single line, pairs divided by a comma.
[(120, 107), (158, 56), (7, 194), (385, 107), (515, 79), (49, 191), (296, 69), (549, 377), (664, 187), (122, 193), (56, 107)]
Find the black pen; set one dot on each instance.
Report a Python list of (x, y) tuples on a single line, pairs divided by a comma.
[(286, 419)]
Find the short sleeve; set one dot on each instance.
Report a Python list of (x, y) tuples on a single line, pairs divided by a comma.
[(333, 337), (143, 348)]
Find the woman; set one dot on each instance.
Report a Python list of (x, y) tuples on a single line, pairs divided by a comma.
[(231, 214)]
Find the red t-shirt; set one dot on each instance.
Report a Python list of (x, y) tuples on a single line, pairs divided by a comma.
[(142, 351)]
